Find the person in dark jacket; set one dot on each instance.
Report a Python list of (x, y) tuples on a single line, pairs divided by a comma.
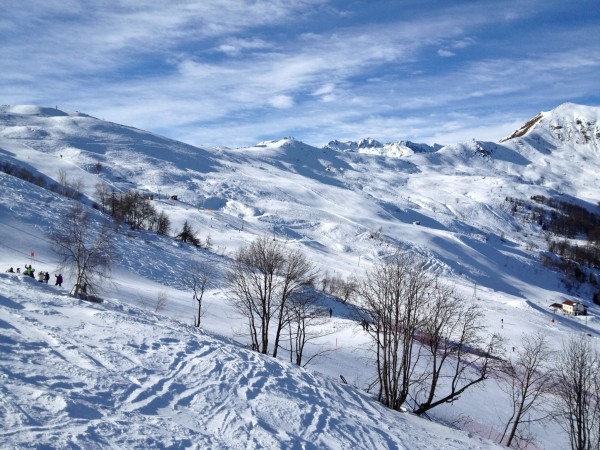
[(46, 277), (59, 280)]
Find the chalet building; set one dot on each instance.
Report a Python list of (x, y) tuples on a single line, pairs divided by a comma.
[(574, 308), (570, 307)]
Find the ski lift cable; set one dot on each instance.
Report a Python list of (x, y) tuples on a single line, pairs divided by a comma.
[(37, 260), (27, 233)]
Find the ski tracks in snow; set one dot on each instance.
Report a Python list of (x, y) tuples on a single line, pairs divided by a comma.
[(80, 375)]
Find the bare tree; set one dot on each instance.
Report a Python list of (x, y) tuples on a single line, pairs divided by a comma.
[(85, 250), (63, 181), (69, 188), (251, 282), (348, 289), (163, 223), (451, 338), (578, 393), (325, 282), (393, 294), (200, 279), (102, 195), (429, 343), (342, 289), (263, 277), (161, 301), (295, 275), (305, 318), (529, 379)]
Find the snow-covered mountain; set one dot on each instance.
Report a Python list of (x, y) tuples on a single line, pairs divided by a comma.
[(372, 146), (567, 123), (346, 206)]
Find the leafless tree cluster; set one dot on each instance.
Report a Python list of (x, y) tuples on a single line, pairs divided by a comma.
[(133, 209), (269, 284), (457, 352), (27, 175), (304, 320), (338, 287), (429, 344), (528, 379), (578, 393), (563, 386), (68, 187), (85, 250)]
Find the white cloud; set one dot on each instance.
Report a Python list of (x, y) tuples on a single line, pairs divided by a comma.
[(445, 53), (463, 43), (235, 46), (326, 93), (325, 89), (282, 101)]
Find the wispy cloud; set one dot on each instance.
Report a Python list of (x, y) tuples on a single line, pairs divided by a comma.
[(445, 53), (232, 71), (235, 46)]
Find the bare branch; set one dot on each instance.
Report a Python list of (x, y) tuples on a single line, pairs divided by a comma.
[(85, 250)]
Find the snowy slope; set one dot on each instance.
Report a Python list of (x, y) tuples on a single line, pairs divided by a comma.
[(114, 376), (345, 207)]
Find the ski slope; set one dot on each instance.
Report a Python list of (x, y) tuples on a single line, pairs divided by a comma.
[(117, 376)]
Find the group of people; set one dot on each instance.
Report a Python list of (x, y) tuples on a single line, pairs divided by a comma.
[(43, 277), (365, 324)]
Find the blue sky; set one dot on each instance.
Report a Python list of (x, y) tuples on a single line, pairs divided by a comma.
[(237, 72)]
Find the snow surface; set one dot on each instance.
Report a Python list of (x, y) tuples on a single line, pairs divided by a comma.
[(78, 375), (118, 374)]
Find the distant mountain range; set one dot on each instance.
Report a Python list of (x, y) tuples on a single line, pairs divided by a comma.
[(371, 146), (335, 195)]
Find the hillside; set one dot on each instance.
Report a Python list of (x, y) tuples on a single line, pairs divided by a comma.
[(116, 376), (346, 206)]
